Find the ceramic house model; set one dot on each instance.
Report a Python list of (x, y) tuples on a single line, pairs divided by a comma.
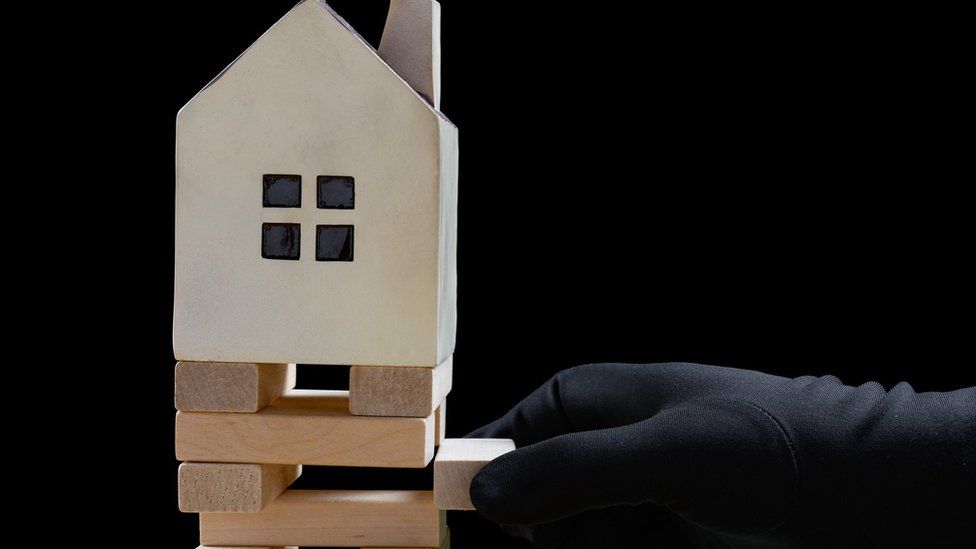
[(315, 223), (316, 199)]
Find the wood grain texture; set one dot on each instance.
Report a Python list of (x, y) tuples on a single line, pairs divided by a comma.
[(230, 386), (403, 392), (446, 544), (252, 547), (458, 461), (440, 423), (332, 518), (232, 487), (307, 427)]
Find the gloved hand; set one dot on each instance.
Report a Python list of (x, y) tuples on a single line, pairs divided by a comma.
[(625, 455)]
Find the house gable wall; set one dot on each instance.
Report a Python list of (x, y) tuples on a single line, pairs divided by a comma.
[(309, 98)]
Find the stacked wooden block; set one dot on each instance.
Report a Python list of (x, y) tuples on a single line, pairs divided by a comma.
[(243, 433)]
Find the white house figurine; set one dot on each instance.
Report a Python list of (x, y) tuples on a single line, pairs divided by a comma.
[(316, 206), (316, 199)]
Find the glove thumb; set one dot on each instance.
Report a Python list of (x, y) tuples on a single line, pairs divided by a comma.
[(721, 464)]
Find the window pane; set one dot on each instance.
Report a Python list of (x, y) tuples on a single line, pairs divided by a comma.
[(281, 240), (336, 192), (333, 242), (282, 191)]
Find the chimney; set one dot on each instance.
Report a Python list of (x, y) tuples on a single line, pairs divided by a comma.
[(411, 44)]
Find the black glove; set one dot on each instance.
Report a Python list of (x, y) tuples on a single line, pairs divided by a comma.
[(623, 455)]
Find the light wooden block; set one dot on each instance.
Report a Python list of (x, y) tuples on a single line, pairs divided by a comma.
[(408, 392), (458, 461), (446, 544), (232, 487), (332, 518), (230, 386), (440, 423), (311, 98), (307, 427), (252, 547)]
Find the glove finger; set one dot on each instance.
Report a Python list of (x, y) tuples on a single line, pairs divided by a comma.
[(570, 474), (600, 396), (585, 398), (720, 464)]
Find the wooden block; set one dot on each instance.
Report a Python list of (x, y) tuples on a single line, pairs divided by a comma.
[(307, 427), (440, 423), (446, 544), (332, 518), (458, 461), (252, 547), (391, 391), (232, 487), (230, 386)]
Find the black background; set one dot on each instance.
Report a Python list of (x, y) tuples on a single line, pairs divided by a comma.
[(782, 191)]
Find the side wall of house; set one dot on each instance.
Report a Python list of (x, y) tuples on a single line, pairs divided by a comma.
[(447, 271)]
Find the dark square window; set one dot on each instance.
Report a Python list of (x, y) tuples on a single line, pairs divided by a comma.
[(336, 192), (282, 191), (281, 240), (333, 242)]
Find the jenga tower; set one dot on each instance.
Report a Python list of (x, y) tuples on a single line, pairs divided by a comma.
[(316, 214)]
